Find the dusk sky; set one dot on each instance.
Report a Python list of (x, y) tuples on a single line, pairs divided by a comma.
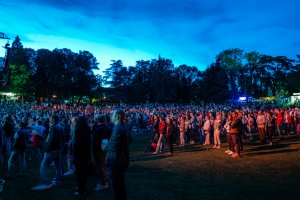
[(189, 32)]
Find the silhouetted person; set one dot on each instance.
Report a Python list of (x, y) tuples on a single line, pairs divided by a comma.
[(118, 154), (82, 154)]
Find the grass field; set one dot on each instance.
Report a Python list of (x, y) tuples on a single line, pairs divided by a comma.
[(262, 172)]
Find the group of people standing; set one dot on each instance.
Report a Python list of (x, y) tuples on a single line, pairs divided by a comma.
[(207, 127), (82, 134), (83, 140)]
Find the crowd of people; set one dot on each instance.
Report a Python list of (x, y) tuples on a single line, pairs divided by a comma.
[(80, 134)]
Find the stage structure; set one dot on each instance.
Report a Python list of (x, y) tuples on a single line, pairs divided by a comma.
[(5, 69)]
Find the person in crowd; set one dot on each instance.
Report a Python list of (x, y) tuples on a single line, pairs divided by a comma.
[(162, 131), (207, 130), (211, 118), (19, 147), (9, 131), (188, 127), (100, 134), (53, 152), (227, 126), (82, 154), (217, 131), (200, 123), (193, 124), (241, 134), (155, 128), (287, 122), (118, 154), (70, 150), (270, 126), (169, 135), (235, 127), (278, 122), (182, 131), (261, 125), (37, 137), (175, 135), (250, 126)]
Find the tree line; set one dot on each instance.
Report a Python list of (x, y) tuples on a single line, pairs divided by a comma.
[(65, 74)]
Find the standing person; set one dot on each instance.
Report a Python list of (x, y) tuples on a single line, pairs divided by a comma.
[(228, 135), (19, 148), (217, 131), (155, 127), (182, 131), (37, 137), (288, 122), (270, 124), (200, 122), (206, 129), (169, 135), (261, 125), (118, 154), (82, 154), (278, 123), (100, 133), (162, 131), (70, 151), (193, 122), (53, 152), (9, 131), (234, 131), (250, 126)]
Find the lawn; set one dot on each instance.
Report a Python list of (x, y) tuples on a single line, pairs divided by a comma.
[(196, 172)]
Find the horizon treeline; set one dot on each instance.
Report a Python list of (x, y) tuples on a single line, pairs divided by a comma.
[(63, 73)]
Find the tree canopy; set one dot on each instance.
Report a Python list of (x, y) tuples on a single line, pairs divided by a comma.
[(63, 73)]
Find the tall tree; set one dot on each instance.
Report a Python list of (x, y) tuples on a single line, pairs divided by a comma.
[(84, 78), (231, 60), (215, 84), (116, 75), (140, 87), (20, 80), (19, 56), (252, 64), (162, 80)]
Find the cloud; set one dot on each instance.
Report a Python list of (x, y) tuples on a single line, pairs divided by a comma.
[(189, 32)]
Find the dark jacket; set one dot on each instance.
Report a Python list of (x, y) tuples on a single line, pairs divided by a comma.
[(236, 126), (8, 129), (20, 140), (82, 145), (118, 147), (55, 140), (100, 132)]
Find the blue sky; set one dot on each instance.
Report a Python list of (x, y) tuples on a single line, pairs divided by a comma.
[(189, 32)]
